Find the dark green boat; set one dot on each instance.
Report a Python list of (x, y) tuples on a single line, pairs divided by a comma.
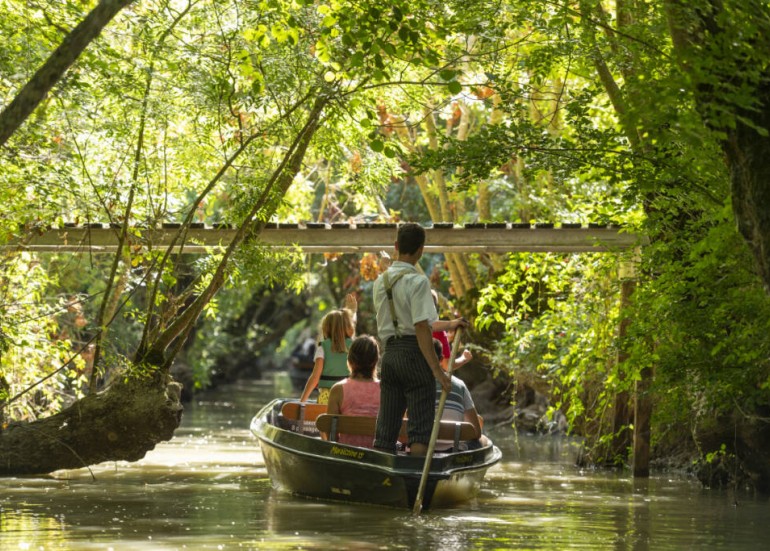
[(300, 462)]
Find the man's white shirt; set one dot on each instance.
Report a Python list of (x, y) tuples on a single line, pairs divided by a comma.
[(412, 301)]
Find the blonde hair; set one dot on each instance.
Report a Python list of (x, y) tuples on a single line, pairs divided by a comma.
[(337, 325)]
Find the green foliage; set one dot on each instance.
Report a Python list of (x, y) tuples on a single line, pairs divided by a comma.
[(699, 314), (255, 272), (709, 315), (557, 316), (38, 328)]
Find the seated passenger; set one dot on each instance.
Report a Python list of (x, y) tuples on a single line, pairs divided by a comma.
[(459, 404), (337, 329), (359, 394), (441, 336)]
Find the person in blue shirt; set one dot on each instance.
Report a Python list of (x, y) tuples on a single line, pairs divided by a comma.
[(459, 404)]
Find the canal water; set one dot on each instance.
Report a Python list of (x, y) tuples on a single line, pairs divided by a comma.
[(208, 489)]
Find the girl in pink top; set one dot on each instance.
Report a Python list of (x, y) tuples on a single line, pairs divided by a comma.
[(359, 394)]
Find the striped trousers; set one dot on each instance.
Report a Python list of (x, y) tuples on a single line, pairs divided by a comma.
[(406, 383)]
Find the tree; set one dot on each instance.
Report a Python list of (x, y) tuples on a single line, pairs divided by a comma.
[(25, 102), (225, 107), (143, 386), (722, 48)]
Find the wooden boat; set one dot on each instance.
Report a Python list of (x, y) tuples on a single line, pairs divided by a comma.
[(299, 461)]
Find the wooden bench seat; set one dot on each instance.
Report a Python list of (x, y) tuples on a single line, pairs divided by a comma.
[(299, 417), (360, 425), (297, 411)]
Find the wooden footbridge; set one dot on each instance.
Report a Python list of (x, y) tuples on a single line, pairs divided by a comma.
[(341, 238)]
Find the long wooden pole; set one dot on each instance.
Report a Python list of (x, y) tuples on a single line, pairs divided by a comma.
[(436, 425)]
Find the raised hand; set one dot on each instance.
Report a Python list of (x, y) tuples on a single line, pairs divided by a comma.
[(350, 302)]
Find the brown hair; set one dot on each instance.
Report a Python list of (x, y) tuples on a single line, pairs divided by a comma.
[(410, 237), (363, 356), (335, 326)]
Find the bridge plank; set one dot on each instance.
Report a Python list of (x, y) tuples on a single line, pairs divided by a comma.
[(491, 238)]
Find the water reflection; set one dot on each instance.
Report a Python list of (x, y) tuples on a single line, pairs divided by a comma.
[(208, 489)]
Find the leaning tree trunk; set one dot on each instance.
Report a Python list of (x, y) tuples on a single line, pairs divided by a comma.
[(124, 422), (747, 153)]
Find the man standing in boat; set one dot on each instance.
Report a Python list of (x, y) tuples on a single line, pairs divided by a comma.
[(406, 317)]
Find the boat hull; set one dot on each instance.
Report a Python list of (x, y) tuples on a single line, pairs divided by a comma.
[(308, 466)]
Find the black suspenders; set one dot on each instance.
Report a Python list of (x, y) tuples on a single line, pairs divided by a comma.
[(389, 292)]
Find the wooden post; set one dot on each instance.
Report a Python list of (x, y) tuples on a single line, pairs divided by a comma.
[(622, 419), (621, 422), (642, 400), (642, 415)]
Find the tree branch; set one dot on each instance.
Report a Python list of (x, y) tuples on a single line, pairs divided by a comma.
[(25, 102)]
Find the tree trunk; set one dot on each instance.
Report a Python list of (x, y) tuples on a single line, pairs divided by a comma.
[(437, 203), (747, 153), (622, 419), (123, 422), (747, 143), (642, 423), (154, 352)]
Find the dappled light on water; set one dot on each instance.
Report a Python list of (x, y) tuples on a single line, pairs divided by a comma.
[(208, 489)]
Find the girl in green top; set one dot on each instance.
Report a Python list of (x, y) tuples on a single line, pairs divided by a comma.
[(331, 357)]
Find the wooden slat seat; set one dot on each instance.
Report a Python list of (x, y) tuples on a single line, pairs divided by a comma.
[(347, 424), (297, 411), (360, 425), (301, 417)]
